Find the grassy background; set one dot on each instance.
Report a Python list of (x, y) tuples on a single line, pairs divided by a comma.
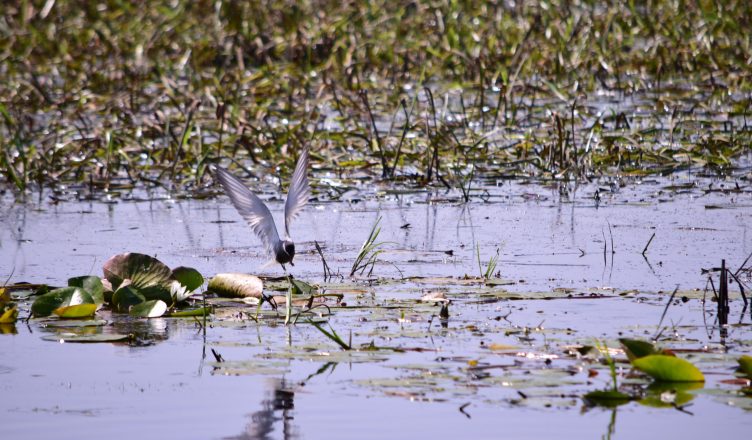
[(116, 93)]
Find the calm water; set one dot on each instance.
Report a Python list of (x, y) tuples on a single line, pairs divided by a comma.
[(291, 382)]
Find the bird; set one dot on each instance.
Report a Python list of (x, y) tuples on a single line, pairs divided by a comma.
[(257, 214)]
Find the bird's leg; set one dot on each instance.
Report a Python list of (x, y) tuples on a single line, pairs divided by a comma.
[(283, 267)]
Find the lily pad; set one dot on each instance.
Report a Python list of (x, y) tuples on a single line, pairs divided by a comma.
[(192, 312), (76, 311), (102, 337), (92, 284), (236, 285), (143, 271), (63, 297), (188, 277), (635, 348), (302, 288), (668, 368), (745, 365), (607, 398), (149, 309), (125, 297)]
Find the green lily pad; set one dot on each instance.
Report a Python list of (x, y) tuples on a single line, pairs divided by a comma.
[(192, 312), (149, 309), (302, 288), (188, 277), (76, 311), (745, 364), (668, 368), (125, 297), (71, 337), (607, 398), (63, 297), (143, 271), (92, 284), (635, 348), (157, 291)]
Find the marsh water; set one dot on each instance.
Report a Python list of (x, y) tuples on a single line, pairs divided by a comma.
[(571, 270)]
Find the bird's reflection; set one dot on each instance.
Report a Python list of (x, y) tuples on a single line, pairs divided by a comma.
[(275, 413)]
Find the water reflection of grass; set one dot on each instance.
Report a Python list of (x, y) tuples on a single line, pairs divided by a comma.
[(113, 95)]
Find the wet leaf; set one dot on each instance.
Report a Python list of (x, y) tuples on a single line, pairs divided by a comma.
[(143, 271), (635, 348), (65, 296), (9, 316), (668, 368), (745, 365), (157, 291), (192, 312), (125, 297), (71, 337), (236, 285), (302, 288), (607, 398), (92, 284), (148, 309), (188, 277), (76, 311), (4, 296)]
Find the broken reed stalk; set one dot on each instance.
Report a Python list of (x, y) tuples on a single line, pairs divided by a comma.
[(665, 309), (723, 307), (646, 246), (384, 165), (402, 138), (327, 270)]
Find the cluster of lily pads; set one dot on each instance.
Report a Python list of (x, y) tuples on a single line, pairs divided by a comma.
[(673, 376), (133, 283)]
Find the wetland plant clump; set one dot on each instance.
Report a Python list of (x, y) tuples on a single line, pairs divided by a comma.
[(99, 98)]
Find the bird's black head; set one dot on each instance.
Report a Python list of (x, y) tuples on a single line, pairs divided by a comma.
[(289, 249)]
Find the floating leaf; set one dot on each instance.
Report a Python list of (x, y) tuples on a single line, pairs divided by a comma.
[(149, 309), (76, 311), (143, 271), (9, 316), (125, 297), (236, 285), (192, 312), (59, 323), (4, 296), (157, 291), (302, 288), (8, 329), (71, 337), (607, 398), (92, 284), (668, 368), (635, 348), (745, 365), (63, 297), (188, 277)]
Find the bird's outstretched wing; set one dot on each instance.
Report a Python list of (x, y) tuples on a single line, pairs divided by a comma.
[(299, 191), (250, 207)]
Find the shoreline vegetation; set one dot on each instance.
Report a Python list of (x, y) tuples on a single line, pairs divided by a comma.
[(99, 96)]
